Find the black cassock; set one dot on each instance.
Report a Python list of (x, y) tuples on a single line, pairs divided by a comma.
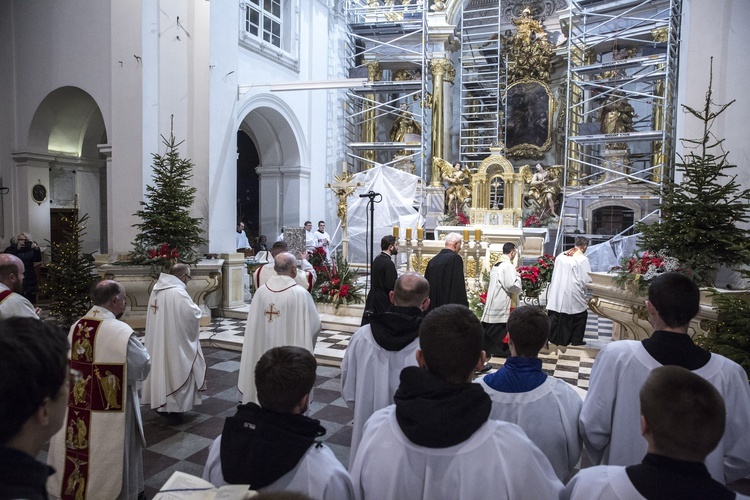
[(382, 280), (445, 273)]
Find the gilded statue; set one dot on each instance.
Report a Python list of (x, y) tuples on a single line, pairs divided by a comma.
[(528, 50), (543, 187), (618, 55), (343, 188), (616, 117), (457, 194), (404, 125)]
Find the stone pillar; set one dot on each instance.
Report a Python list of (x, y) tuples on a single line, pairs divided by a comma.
[(233, 271), (441, 71), (369, 131)]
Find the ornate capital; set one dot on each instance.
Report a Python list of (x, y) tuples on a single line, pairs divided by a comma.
[(660, 34), (442, 67)]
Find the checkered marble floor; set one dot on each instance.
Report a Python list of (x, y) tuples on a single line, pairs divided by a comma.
[(184, 447)]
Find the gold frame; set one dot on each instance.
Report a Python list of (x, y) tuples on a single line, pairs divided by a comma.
[(527, 150)]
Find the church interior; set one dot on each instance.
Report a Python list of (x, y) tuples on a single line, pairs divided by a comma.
[(524, 121)]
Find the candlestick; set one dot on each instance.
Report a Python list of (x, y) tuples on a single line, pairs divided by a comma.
[(420, 233), (466, 236), (408, 234), (395, 231)]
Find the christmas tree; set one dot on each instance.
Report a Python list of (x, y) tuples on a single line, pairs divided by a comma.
[(71, 274), (700, 215), (168, 233)]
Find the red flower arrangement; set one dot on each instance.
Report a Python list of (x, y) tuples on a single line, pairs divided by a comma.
[(534, 278), (337, 283), (637, 272), (163, 252)]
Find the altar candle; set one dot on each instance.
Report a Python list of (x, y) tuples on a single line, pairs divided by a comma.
[(408, 233), (477, 235), (395, 231), (466, 235), (420, 233)]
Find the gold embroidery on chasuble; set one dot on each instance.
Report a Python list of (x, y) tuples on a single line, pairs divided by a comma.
[(99, 389)]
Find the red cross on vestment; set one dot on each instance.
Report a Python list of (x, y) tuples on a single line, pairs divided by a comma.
[(271, 313)]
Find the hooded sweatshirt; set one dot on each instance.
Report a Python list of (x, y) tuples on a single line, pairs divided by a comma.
[(397, 328)]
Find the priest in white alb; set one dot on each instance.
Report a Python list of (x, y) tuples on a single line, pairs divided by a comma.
[(281, 313), (178, 369)]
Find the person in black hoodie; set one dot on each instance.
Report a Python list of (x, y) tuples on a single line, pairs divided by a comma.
[(437, 440), (273, 447), (382, 279), (33, 402), (378, 352)]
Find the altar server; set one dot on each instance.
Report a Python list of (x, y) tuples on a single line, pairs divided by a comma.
[(609, 418), (437, 441), (546, 408), (566, 300)]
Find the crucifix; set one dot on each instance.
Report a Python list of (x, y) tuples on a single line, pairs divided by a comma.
[(344, 187), (271, 312)]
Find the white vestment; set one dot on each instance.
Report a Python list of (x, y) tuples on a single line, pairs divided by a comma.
[(504, 282), (281, 313), (310, 241), (109, 435), (567, 289), (318, 474), (601, 483), (16, 304), (549, 417), (498, 461), (242, 241), (172, 337), (370, 377), (304, 278), (323, 240), (610, 418)]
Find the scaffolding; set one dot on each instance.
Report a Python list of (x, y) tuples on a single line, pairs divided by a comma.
[(622, 88), (387, 44), (482, 82)]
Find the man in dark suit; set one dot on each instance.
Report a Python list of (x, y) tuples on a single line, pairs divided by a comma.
[(445, 274), (382, 278)]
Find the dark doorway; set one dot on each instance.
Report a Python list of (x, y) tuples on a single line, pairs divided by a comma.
[(248, 186), (612, 220)]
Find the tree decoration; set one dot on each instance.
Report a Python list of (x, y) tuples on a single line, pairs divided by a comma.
[(71, 274), (168, 233), (700, 217)]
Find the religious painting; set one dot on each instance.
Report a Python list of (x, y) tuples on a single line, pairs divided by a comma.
[(528, 126)]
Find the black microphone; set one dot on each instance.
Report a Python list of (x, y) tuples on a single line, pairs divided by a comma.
[(369, 194)]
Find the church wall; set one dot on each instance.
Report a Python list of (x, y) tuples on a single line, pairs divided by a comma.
[(7, 131), (717, 28)]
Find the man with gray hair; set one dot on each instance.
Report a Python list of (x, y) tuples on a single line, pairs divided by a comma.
[(172, 338), (445, 274), (100, 447), (12, 302), (281, 313)]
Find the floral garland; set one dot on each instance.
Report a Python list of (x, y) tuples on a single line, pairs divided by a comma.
[(635, 273), (534, 278), (478, 297), (337, 283)]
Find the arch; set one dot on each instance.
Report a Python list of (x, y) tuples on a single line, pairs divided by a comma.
[(69, 122), (599, 204), (274, 128)]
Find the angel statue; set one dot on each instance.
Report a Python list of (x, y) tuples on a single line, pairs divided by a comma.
[(543, 187), (457, 194)]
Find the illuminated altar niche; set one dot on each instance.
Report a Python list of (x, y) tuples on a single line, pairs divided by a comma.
[(496, 193)]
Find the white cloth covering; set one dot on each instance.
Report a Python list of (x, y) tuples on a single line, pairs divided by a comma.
[(370, 377), (601, 483), (303, 278), (242, 241), (172, 338), (16, 304), (498, 461), (504, 282), (567, 289), (281, 313), (610, 418), (549, 417), (138, 364), (318, 474)]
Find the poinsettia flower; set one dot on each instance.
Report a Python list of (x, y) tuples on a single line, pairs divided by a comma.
[(324, 290), (344, 291), (483, 297)]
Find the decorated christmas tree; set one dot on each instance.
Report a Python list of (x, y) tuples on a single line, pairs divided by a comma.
[(701, 216), (71, 274), (168, 233)]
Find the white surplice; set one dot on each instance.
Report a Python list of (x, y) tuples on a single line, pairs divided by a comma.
[(318, 474), (504, 282), (549, 417), (16, 305), (601, 483), (370, 377), (178, 369), (498, 461), (567, 289), (281, 313), (610, 418)]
